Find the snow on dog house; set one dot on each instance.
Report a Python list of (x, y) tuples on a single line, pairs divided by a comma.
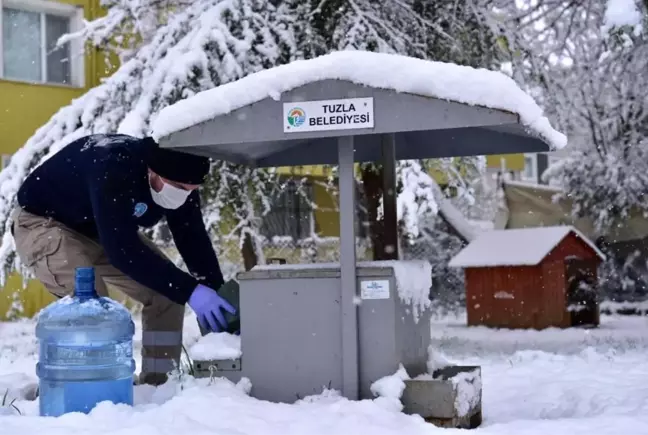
[(531, 278)]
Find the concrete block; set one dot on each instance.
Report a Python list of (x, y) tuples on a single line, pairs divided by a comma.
[(451, 397)]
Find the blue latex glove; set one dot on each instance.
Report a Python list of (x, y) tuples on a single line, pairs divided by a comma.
[(207, 305)]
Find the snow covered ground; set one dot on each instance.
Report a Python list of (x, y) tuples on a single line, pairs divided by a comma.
[(535, 382)]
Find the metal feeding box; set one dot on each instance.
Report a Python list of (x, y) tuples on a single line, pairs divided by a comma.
[(303, 328), (291, 328)]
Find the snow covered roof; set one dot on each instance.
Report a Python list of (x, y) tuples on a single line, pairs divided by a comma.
[(515, 247), (453, 216), (480, 98)]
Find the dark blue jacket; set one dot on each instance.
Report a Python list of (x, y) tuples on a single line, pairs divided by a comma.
[(98, 186)]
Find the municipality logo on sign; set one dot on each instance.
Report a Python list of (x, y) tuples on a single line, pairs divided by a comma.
[(296, 117), (328, 115)]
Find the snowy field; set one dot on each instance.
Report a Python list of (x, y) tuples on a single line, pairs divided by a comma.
[(592, 382)]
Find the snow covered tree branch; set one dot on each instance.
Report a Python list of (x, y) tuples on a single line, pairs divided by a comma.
[(620, 14), (605, 189), (576, 57), (128, 24), (586, 61), (201, 46), (173, 49)]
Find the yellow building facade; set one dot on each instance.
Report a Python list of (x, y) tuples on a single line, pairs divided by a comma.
[(36, 81)]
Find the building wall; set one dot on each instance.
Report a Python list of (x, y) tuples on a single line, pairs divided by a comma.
[(510, 162), (25, 106), (554, 298), (503, 297)]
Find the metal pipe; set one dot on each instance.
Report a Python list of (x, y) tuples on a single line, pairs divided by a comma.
[(350, 372)]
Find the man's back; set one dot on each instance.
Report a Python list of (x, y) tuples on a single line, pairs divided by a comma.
[(59, 187)]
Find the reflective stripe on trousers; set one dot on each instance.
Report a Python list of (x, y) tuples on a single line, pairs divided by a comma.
[(158, 347), (161, 338), (158, 365)]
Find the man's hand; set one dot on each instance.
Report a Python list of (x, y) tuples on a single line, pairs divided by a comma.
[(207, 305)]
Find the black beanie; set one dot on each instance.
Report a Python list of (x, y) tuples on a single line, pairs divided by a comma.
[(177, 165)]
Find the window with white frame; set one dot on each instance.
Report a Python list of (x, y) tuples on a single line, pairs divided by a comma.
[(530, 172), (30, 30)]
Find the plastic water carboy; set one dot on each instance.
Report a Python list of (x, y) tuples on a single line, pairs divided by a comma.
[(86, 351)]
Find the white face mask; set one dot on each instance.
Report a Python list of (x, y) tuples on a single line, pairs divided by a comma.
[(170, 196)]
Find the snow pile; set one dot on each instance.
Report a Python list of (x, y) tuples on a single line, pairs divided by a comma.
[(391, 386), (515, 247), (18, 386), (219, 408), (562, 382), (445, 81), (216, 346), (621, 13), (468, 387), (615, 336)]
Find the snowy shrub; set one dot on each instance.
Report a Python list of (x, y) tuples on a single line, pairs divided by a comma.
[(604, 188), (623, 278), (7, 405), (587, 62)]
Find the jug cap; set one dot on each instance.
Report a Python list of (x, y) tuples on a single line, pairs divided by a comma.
[(85, 282)]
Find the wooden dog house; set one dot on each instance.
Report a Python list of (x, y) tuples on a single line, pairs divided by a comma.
[(531, 278)]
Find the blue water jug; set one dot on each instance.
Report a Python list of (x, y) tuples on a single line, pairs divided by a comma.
[(85, 351)]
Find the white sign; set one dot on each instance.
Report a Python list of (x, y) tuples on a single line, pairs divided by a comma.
[(374, 289), (326, 115)]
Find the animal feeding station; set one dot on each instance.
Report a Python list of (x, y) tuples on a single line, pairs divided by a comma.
[(345, 325)]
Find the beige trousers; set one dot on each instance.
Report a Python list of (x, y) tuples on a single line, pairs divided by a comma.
[(53, 251)]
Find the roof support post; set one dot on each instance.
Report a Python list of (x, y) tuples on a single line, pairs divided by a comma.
[(350, 372), (390, 218)]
